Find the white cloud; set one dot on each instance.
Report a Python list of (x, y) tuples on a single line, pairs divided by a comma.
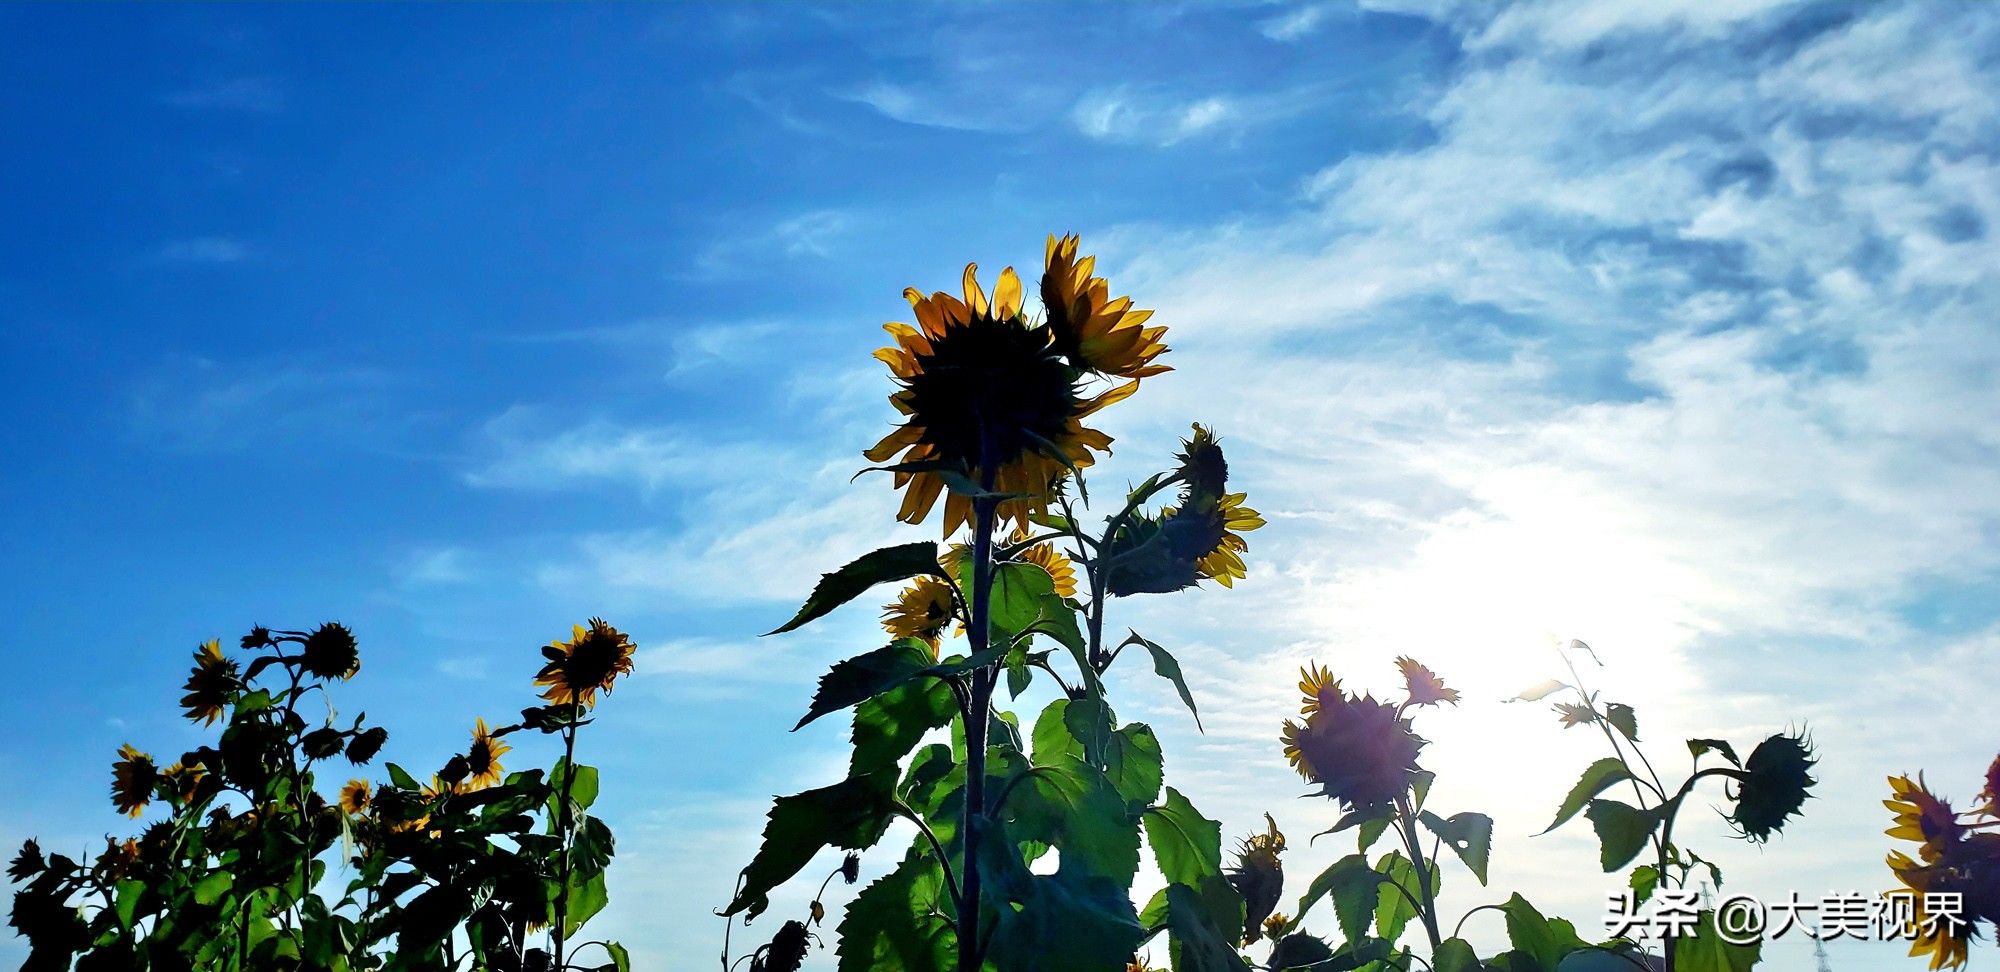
[(1301, 21), (202, 404), (529, 450), (1124, 115)]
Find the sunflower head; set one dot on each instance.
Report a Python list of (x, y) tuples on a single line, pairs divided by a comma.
[(1424, 686), (1923, 817), (354, 797), (133, 778), (482, 761), (922, 611), (590, 661), (1092, 331), (986, 397), (1198, 538), (187, 783), (1361, 752), (1945, 941), (211, 686), (1774, 786), (1259, 876), (1049, 558), (330, 652)]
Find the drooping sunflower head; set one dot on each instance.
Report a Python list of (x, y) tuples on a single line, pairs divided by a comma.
[(354, 797), (922, 611), (1424, 686), (188, 783), (211, 686), (1198, 538), (590, 661), (1775, 785), (1924, 817), (482, 761), (133, 778), (1093, 331), (1360, 751), (1945, 941), (985, 395), (1259, 876), (330, 652)]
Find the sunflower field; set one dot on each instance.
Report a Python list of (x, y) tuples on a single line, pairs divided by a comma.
[(1026, 828)]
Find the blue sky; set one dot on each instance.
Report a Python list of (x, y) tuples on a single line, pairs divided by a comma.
[(1666, 326)]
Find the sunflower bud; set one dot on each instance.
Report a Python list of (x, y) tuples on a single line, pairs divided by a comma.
[(28, 863), (1774, 784), (850, 868)]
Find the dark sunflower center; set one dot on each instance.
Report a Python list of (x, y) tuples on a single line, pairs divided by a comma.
[(995, 379), (592, 661)]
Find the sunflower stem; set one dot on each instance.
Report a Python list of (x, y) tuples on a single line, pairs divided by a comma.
[(563, 828), (1428, 910), (979, 633)]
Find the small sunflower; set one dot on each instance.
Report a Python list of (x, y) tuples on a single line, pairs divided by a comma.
[(1424, 686), (1049, 558), (185, 783), (1314, 679), (985, 395), (132, 780), (1274, 926), (922, 611), (483, 759), (1360, 751), (354, 797), (590, 661), (211, 685), (1945, 940), (1199, 537), (1923, 817), (1093, 331), (1259, 876), (1774, 786), (330, 652)]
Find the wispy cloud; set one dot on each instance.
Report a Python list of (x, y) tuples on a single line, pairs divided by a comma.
[(204, 404), (1127, 115), (205, 249), (526, 449), (1297, 23), (250, 95), (811, 235)]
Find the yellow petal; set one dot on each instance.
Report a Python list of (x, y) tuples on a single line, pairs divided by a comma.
[(1007, 295), (975, 298)]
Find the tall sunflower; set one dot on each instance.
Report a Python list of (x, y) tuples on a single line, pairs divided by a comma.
[(985, 395), (482, 761), (590, 661), (921, 611), (210, 686), (1093, 331), (132, 779)]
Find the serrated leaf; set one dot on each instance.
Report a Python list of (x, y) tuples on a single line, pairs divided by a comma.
[(1707, 951), (1198, 946), (1135, 764), (1623, 719), (1455, 955), (1469, 835), (1167, 667), (1622, 831), (1187, 845), (1697, 747), (1352, 884), (1644, 881), (891, 724), (1540, 940), (901, 922), (1539, 691), (858, 679), (1597, 777), (888, 564), (851, 815), (1070, 804), (1397, 893)]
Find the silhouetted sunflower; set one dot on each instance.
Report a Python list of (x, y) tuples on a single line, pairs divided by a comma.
[(185, 783), (1773, 785), (1992, 792), (1259, 876), (354, 797), (210, 686), (590, 661), (330, 652), (482, 761), (1200, 536), (1945, 941), (921, 611), (1923, 817), (1358, 750), (984, 393), (132, 780), (1425, 687), (1093, 331)]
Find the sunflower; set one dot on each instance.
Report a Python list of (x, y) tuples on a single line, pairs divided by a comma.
[(1944, 939), (132, 779), (1313, 679), (1047, 557), (921, 611), (185, 783), (1093, 331), (1360, 751), (1776, 778), (1198, 537), (330, 652), (354, 797), (1923, 817), (483, 759), (1992, 792), (987, 397), (1424, 686), (1259, 876), (591, 660), (211, 684)]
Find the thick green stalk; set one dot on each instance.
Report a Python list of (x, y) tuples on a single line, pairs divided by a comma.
[(979, 634)]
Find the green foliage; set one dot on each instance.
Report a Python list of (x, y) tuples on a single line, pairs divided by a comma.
[(883, 566)]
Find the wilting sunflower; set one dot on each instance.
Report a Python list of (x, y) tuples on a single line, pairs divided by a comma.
[(1093, 331), (354, 797), (330, 652), (590, 661), (1358, 750), (923, 610), (1773, 786), (1923, 817), (1944, 940), (1425, 687), (482, 761), (1259, 876), (132, 779), (985, 395), (210, 685), (1198, 537)]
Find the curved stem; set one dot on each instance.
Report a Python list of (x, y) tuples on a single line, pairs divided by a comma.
[(950, 879), (1455, 929)]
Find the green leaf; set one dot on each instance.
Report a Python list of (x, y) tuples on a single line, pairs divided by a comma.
[(1165, 666), (896, 563), (587, 896), (1016, 600), (1352, 884), (1051, 737), (1707, 951), (1455, 955), (1187, 845), (891, 724), (901, 922), (582, 789), (1622, 831), (1700, 746), (865, 676), (1597, 777), (1394, 908), (1623, 719), (1070, 804), (402, 778), (1198, 946), (129, 893), (621, 960), (1645, 880), (1538, 939), (1135, 765), (1089, 722), (1085, 918), (851, 815), (1470, 835), (212, 887)]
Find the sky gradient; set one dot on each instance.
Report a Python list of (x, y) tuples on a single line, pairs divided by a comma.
[(1668, 326)]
